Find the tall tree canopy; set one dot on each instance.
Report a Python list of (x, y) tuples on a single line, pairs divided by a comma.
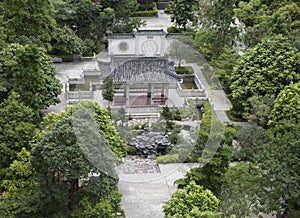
[(287, 105), (17, 129), (279, 161), (183, 12), (32, 19), (75, 158), (265, 69), (20, 196), (263, 18), (28, 71)]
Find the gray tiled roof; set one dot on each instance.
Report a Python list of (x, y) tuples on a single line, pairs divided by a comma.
[(150, 32), (121, 36), (146, 69)]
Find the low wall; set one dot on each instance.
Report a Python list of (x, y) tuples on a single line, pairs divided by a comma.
[(76, 81), (162, 5), (80, 95), (198, 82), (91, 72), (190, 92), (187, 78)]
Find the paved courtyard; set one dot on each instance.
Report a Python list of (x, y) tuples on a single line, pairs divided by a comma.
[(144, 194), (145, 185)]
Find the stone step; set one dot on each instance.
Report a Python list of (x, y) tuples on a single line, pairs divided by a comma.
[(144, 115)]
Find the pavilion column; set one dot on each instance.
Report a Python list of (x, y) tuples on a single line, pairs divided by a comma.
[(149, 90), (126, 93), (167, 93), (162, 90), (151, 93)]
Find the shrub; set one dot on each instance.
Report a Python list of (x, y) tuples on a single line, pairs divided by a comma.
[(152, 13), (173, 29), (184, 70), (174, 158), (168, 10), (138, 126), (67, 58)]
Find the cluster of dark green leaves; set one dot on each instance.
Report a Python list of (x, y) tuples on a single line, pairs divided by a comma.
[(263, 19), (74, 162), (264, 71), (28, 71), (192, 201)]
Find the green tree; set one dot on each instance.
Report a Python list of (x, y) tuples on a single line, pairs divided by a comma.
[(291, 14), (203, 133), (17, 129), (192, 200), (280, 163), (122, 8), (239, 190), (108, 91), (263, 19), (66, 42), (28, 71), (20, 195), (104, 126), (166, 114), (107, 208), (2, 33), (209, 43), (265, 69), (210, 176), (254, 15), (249, 140), (223, 65), (223, 18), (287, 105), (218, 15), (260, 109), (181, 49), (183, 12), (64, 167), (31, 19)]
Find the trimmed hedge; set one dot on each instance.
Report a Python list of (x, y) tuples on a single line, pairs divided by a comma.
[(174, 158), (184, 70), (152, 13), (67, 58), (173, 29), (144, 13)]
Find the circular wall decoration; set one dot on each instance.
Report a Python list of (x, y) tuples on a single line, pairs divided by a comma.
[(123, 46), (149, 47)]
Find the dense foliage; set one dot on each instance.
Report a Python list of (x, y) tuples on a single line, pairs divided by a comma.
[(262, 81), (192, 201), (30, 20), (28, 71), (266, 69)]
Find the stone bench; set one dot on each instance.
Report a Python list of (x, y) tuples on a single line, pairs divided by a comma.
[(57, 60)]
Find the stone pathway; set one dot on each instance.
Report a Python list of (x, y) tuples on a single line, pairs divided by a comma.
[(138, 165), (144, 194)]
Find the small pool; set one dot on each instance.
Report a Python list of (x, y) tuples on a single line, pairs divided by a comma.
[(188, 85), (86, 85)]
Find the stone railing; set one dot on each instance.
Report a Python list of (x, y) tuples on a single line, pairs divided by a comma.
[(91, 72), (75, 97), (76, 81), (190, 92)]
